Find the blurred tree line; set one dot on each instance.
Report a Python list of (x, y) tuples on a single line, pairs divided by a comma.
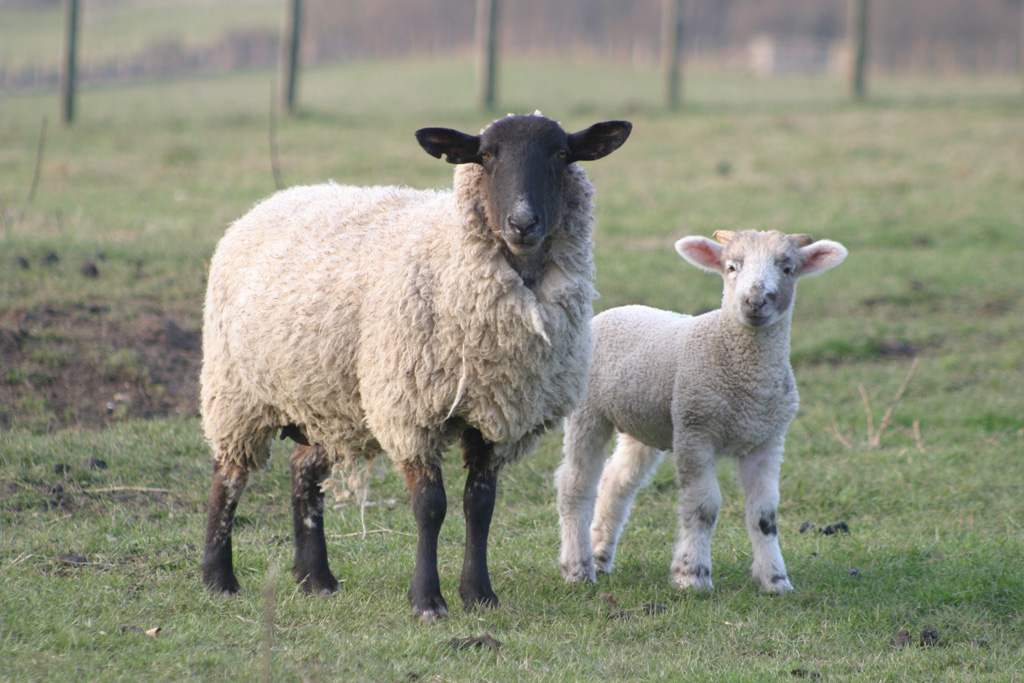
[(906, 36), (919, 35)]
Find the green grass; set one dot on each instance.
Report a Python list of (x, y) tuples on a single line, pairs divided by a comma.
[(924, 187)]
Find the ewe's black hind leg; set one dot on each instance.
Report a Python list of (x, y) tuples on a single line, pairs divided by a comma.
[(217, 571), (478, 506), (429, 507), (309, 467)]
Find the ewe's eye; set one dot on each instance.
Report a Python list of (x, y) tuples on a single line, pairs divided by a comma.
[(485, 156), (562, 154)]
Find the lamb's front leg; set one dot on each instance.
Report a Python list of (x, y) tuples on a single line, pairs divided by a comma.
[(759, 475), (429, 507), (699, 502), (478, 506)]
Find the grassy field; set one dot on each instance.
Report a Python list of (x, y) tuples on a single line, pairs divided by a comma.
[(102, 511)]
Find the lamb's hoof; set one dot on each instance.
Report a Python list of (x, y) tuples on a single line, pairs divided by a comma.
[(578, 572), (776, 585), (692, 578), (602, 563)]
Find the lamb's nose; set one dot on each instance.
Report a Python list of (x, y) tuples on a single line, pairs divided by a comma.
[(757, 302), (759, 297)]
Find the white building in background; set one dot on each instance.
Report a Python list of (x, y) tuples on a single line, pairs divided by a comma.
[(773, 55)]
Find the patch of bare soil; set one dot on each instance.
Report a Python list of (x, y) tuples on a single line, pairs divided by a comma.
[(81, 366)]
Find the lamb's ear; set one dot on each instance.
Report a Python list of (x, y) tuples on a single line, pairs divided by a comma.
[(701, 252), (458, 148), (600, 140), (820, 256)]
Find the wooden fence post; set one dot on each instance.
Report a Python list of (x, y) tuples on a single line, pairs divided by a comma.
[(1020, 45), (486, 39), (672, 50), (68, 68), (857, 27), (290, 54)]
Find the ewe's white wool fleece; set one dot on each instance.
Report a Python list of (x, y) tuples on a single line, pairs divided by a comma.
[(371, 315)]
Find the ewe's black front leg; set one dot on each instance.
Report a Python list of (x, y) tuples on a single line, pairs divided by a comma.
[(217, 570), (478, 506), (429, 507), (309, 467)]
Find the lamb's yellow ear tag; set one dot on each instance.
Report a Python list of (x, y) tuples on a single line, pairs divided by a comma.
[(724, 236)]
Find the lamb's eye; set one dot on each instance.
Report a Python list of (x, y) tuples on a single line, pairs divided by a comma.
[(788, 270), (732, 267)]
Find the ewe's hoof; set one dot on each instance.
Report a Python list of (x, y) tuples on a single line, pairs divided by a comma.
[(474, 598), (322, 590), (320, 585), (431, 616), (222, 583), (428, 609)]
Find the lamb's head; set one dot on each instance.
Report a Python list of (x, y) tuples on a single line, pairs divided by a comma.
[(760, 269), (524, 158)]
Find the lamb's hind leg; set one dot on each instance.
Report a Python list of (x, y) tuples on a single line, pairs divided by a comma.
[(478, 506), (624, 473), (217, 571), (586, 434), (429, 507), (309, 467), (759, 474)]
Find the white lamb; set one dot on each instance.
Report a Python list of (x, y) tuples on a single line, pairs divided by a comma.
[(366, 320), (718, 384)]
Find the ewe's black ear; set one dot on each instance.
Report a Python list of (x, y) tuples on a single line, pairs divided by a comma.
[(600, 140), (457, 147)]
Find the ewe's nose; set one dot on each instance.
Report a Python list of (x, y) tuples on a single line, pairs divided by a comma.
[(523, 223)]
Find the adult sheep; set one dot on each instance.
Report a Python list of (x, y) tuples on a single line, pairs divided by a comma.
[(718, 384), (362, 320)]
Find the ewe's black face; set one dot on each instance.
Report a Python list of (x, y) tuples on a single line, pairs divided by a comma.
[(524, 158)]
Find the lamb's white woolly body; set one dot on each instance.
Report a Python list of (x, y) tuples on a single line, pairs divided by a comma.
[(664, 364), (375, 319), (718, 384)]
